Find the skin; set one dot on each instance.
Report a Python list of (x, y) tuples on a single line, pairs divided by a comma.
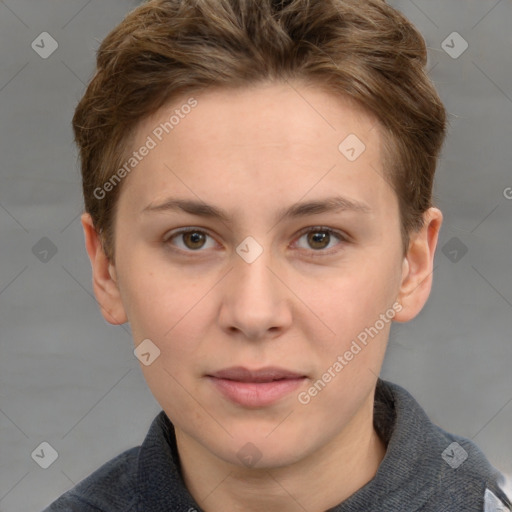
[(299, 305)]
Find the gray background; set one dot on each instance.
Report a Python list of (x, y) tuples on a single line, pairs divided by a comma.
[(70, 379)]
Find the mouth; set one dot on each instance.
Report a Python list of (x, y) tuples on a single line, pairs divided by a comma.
[(255, 388)]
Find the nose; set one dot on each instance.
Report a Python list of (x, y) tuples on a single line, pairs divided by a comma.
[(255, 302)]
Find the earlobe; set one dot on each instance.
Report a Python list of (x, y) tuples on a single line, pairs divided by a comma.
[(104, 277), (418, 266)]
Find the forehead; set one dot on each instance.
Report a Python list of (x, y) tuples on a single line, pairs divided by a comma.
[(275, 114), (284, 139)]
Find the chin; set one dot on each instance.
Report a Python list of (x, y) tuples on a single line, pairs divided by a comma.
[(260, 452)]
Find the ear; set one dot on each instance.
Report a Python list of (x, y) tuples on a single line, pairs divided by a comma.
[(418, 266), (104, 278)]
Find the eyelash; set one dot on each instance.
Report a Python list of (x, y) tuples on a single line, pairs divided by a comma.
[(314, 253)]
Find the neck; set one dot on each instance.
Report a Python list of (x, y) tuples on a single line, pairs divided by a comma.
[(315, 483)]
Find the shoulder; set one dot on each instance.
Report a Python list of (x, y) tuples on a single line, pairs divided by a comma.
[(467, 480), (146, 477), (111, 488), (449, 471)]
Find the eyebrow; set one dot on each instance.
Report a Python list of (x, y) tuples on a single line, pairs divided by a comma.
[(202, 209)]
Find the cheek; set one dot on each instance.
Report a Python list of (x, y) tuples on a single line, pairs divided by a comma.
[(156, 296), (355, 297), (173, 317), (356, 306)]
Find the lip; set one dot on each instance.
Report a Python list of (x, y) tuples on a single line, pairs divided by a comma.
[(255, 388)]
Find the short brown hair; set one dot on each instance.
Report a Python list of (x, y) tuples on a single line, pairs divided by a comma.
[(361, 49)]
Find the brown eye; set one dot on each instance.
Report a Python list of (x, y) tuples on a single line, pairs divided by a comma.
[(319, 239), (191, 240), (194, 239)]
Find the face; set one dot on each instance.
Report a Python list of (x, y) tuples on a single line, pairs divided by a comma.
[(265, 263)]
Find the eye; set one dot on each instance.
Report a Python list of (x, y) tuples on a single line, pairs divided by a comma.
[(320, 238), (190, 240)]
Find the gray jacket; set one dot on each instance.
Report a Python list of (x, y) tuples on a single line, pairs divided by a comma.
[(425, 469)]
